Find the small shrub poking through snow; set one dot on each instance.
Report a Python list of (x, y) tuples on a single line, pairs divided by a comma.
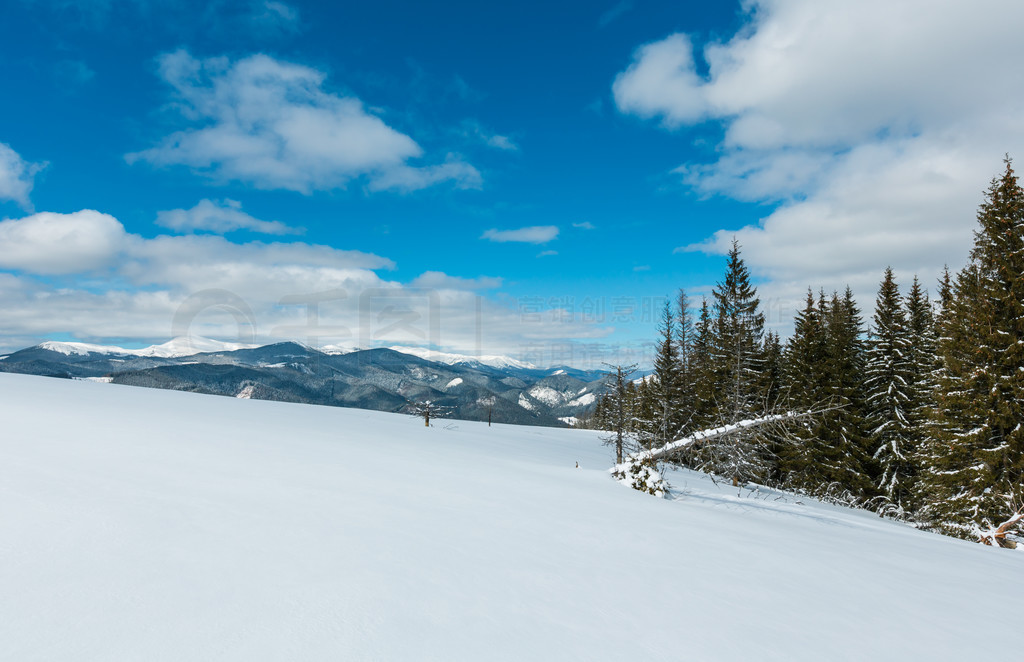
[(641, 475)]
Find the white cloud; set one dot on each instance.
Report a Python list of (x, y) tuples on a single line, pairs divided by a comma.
[(536, 234), (272, 125), (16, 176), (83, 275), (473, 129), (406, 179), (502, 142), (441, 281), (219, 216), (547, 253), (48, 243), (662, 81), (274, 16), (585, 225), (874, 125)]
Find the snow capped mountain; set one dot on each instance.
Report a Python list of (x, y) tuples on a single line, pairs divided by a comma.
[(177, 347), (493, 361), (337, 350), (79, 348), (382, 379), (190, 345)]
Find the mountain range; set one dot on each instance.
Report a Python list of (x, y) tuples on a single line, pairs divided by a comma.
[(503, 389)]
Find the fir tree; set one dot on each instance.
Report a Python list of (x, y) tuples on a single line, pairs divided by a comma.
[(803, 370), (668, 383), (770, 385), (945, 294), (924, 371), (825, 365), (976, 458), (615, 410), (921, 352), (738, 334), (736, 359), (890, 394), (702, 370), (846, 365), (685, 338), (647, 412)]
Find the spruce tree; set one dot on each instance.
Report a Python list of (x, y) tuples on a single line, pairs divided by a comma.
[(846, 364), (770, 385), (738, 334), (646, 412), (803, 370), (923, 364), (976, 458), (824, 365), (615, 410), (921, 353), (890, 394), (685, 338), (702, 369), (737, 362), (668, 383)]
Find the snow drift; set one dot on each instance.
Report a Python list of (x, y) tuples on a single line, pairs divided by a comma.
[(160, 525)]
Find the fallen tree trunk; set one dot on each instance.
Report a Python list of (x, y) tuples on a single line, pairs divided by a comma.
[(638, 471), (697, 438), (997, 537)]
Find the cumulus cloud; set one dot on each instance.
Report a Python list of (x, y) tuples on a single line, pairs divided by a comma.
[(83, 275), (502, 142), (442, 281), (219, 216), (872, 126), (48, 243), (16, 176), (662, 81), (536, 234), (406, 179), (473, 129), (274, 17), (272, 124)]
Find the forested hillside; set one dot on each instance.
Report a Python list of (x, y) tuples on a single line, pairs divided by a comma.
[(919, 410)]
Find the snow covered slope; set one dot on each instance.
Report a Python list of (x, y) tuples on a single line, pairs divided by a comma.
[(142, 524)]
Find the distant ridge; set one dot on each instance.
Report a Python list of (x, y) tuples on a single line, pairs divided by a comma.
[(176, 347), (490, 387)]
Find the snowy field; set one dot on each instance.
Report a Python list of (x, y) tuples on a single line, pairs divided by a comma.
[(139, 524)]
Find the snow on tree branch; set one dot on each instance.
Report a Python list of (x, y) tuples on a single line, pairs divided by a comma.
[(702, 436)]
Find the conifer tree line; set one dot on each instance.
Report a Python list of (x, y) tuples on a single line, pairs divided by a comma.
[(922, 405)]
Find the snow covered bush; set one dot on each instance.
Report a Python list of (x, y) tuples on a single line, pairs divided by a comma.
[(641, 475)]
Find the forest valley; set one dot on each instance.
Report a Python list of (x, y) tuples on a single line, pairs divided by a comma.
[(919, 418)]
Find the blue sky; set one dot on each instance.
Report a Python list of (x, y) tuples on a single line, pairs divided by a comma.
[(530, 179)]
